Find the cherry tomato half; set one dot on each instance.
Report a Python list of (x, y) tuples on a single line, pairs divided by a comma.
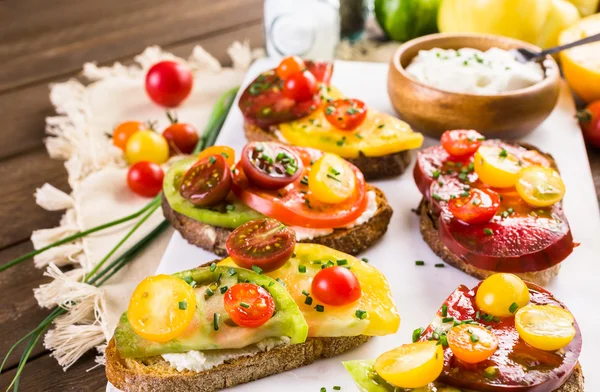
[(472, 343), (270, 165), (182, 138), (346, 114), (145, 178), (289, 66), (301, 86), (461, 142), (123, 132), (265, 243), (249, 305), (168, 83), (336, 286), (589, 120), (207, 182), (479, 206)]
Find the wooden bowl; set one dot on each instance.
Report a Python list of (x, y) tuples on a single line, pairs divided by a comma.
[(432, 111)]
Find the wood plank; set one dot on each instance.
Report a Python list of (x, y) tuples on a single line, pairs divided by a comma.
[(61, 35)]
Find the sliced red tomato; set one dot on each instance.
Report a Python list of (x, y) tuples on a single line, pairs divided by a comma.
[(289, 66), (270, 165), (264, 243), (249, 305), (300, 87), (294, 205), (322, 70), (461, 142), (479, 206), (346, 114), (336, 286), (207, 182)]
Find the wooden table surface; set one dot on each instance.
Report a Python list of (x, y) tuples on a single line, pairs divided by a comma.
[(47, 41)]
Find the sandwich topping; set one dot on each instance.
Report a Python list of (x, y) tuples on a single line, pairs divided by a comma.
[(496, 205)]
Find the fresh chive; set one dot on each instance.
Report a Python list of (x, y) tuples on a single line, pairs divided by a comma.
[(436, 174), (320, 308), (211, 159), (513, 307), (323, 389), (381, 126), (257, 269), (224, 289), (244, 305), (462, 176), (281, 282), (437, 197), (342, 262), (337, 388), (419, 262), (213, 267), (209, 292), (358, 136), (231, 272), (488, 231), (182, 305), (225, 155), (333, 177), (464, 194), (352, 110), (447, 319), (302, 269), (230, 207), (416, 334), (444, 310), (304, 292), (361, 314), (440, 265), (291, 169), (216, 321), (341, 141), (443, 341), (503, 153), (364, 259), (308, 300), (304, 180)]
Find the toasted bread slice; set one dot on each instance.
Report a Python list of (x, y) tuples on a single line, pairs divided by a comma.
[(351, 241), (372, 167), (429, 231), (155, 374)]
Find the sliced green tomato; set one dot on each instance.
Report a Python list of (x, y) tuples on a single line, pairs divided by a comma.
[(229, 214), (381, 316), (201, 334)]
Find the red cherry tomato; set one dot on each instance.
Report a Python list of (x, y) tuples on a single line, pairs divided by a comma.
[(289, 66), (270, 165), (479, 207), (168, 83), (461, 142), (145, 178), (207, 182), (265, 243), (182, 138), (300, 86), (322, 70), (336, 286), (249, 305), (589, 119), (346, 114), (123, 132)]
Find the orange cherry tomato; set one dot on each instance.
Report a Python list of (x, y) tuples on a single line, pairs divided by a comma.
[(249, 305), (300, 87), (336, 286), (289, 66), (472, 343), (346, 114), (479, 206), (461, 142), (123, 132), (226, 152)]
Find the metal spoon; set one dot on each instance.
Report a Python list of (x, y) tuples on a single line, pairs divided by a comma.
[(523, 55)]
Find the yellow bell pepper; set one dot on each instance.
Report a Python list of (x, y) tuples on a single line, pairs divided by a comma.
[(581, 65), (536, 21)]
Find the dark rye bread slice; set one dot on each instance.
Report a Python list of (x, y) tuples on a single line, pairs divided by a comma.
[(430, 233), (156, 375), (373, 168), (351, 241)]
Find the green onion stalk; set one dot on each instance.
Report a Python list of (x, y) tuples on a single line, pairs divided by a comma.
[(101, 273)]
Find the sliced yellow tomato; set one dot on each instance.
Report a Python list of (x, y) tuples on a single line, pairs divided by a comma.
[(147, 146), (331, 180), (412, 365), (496, 167), (545, 327), (502, 294), (472, 343), (161, 307), (540, 186), (227, 152), (381, 317)]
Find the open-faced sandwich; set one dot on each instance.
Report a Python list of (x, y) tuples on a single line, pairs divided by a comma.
[(273, 306), (503, 335), (295, 104), (493, 206), (323, 197)]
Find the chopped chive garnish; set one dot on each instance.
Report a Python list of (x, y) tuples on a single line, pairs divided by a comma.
[(230, 207), (323, 389), (464, 194), (304, 292), (302, 269), (416, 334), (419, 262), (257, 269), (333, 178), (444, 310), (365, 259), (216, 321), (474, 338), (244, 305), (462, 176), (437, 197), (443, 341), (488, 231), (224, 289), (329, 110), (231, 272), (304, 180), (308, 300), (358, 136), (381, 126), (337, 388), (440, 265), (447, 319), (320, 308), (513, 307), (225, 155), (281, 282), (211, 159), (436, 174), (182, 305), (503, 153), (342, 262), (213, 267), (209, 292), (361, 314), (271, 284)]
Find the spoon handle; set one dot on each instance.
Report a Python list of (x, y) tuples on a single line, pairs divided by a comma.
[(586, 40)]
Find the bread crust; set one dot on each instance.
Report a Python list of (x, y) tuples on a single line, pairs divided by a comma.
[(372, 168), (156, 375), (351, 241)]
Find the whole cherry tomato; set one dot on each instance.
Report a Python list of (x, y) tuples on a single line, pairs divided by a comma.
[(145, 178), (301, 86), (249, 305), (147, 146), (589, 119), (168, 83), (336, 286), (346, 114), (479, 206), (123, 132), (182, 137), (289, 66), (461, 142)]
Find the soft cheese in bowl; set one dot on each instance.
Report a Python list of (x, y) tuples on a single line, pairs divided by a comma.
[(473, 71)]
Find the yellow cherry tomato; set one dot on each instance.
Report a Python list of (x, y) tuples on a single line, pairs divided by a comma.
[(496, 167), (147, 146), (545, 327), (411, 365), (331, 180), (472, 343), (498, 294), (227, 152), (161, 308), (540, 186)]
